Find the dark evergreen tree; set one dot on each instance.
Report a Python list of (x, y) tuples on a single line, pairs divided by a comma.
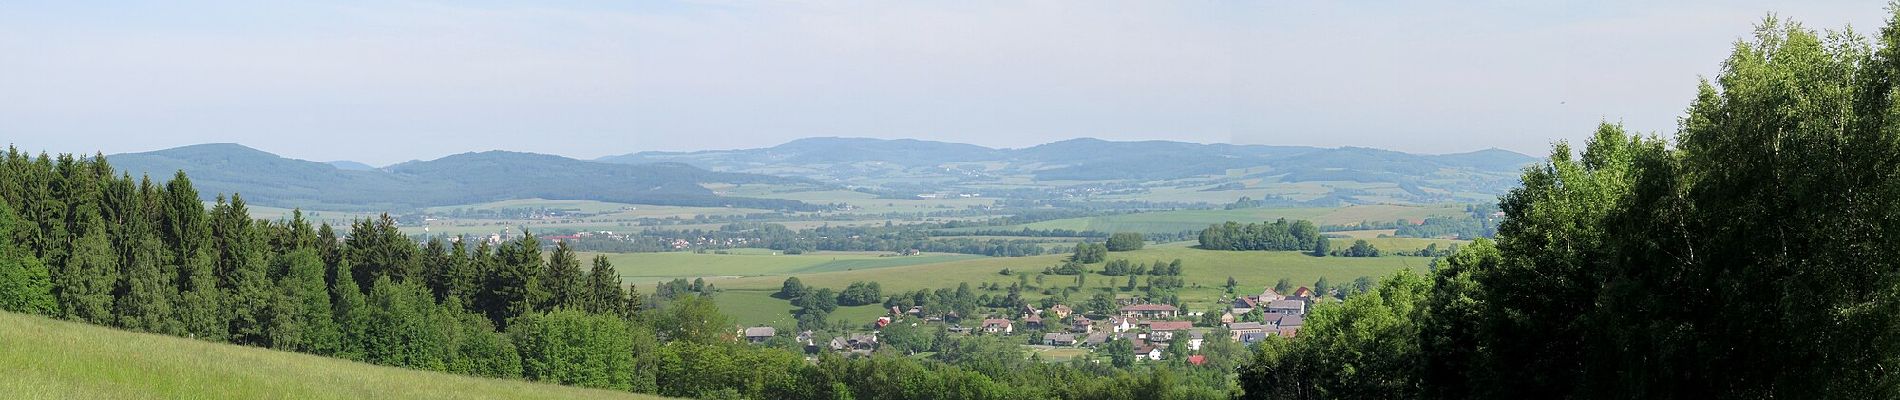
[(512, 289), (604, 293), (436, 265), (85, 285), (243, 269), (461, 277), (350, 309), (200, 305), (562, 282), (147, 291), (377, 248)]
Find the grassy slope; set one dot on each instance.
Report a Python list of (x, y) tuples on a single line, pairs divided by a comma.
[(48, 359)]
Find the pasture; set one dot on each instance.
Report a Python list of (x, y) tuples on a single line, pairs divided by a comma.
[(49, 359), (1205, 272)]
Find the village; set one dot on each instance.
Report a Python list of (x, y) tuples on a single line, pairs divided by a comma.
[(1149, 330)]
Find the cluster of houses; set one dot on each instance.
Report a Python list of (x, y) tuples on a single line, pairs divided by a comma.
[(1149, 328), (1279, 315)]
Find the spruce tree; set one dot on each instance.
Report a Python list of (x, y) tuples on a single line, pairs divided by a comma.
[(329, 249), (184, 229), (200, 305), (243, 272), (461, 278), (349, 309), (148, 289), (86, 283), (562, 280), (433, 262), (603, 286), (511, 289), (378, 248)]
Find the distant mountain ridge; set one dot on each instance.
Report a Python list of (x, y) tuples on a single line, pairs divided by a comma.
[(350, 165), (885, 166), (267, 179), (1489, 171)]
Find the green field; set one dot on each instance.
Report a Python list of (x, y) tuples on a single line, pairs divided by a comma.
[(1186, 220), (654, 267), (1205, 272), (48, 359)]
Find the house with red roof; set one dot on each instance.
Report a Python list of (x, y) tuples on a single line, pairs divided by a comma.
[(1166, 330), (997, 325)]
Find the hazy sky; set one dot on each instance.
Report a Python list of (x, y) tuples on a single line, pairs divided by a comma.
[(387, 81)]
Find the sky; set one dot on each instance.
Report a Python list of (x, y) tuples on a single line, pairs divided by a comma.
[(388, 81)]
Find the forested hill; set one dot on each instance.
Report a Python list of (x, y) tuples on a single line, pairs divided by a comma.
[(268, 179), (1489, 170)]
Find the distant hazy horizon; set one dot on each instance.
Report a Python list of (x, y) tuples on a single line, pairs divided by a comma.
[(386, 82), (381, 165)]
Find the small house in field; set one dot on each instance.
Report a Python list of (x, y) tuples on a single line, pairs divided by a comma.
[(1148, 351), (1058, 339), (1120, 324), (1287, 307), (1082, 325), (759, 334), (1302, 294), (1268, 295), (1243, 304), (1032, 322), (1240, 330), (856, 343), (1149, 311), (997, 325), (1166, 330), (1060, 311)]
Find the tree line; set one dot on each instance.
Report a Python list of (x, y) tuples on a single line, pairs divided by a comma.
[(1279, 235), (1750, 259)]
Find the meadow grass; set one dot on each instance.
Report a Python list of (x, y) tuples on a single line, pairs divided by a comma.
[(49, 359)]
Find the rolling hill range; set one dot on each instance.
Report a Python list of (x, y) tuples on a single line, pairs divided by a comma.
[(267, 179), (50, 359), (1422, 177)]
